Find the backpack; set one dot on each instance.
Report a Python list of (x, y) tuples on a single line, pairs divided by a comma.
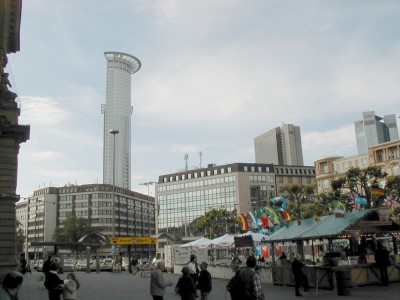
[(236, 287)]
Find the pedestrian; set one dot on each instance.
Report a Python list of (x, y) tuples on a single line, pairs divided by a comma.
[(299, 277), (382, 261), (194, 268), (46, 264), (204, 284), (250, 280), (135, 263), (11, 285), (186, 285), (235, 264), (71, 287), (53, 283), (157, 282)]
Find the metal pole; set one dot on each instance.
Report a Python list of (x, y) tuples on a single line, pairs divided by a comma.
[(113, 132)]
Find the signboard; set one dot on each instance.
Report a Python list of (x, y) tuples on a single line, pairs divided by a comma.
[(145, 240)]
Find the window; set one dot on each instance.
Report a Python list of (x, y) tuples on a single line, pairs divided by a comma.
[(326, 184)]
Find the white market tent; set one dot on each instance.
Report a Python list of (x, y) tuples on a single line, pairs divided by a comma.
[(196, 243), (226, 240)]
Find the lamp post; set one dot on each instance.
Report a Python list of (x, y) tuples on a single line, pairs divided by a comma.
[(113, 132), (148, 208)]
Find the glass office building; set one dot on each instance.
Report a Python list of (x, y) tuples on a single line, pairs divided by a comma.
[(374, 130)]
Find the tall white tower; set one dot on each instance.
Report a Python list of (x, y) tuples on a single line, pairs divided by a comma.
[(117, 116)]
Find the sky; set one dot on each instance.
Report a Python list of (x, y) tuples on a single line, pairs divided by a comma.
[(215, 74)]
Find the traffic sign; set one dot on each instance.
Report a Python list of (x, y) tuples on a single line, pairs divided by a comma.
[(145, 240)]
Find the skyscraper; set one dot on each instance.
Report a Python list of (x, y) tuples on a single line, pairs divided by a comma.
[(373, 130), (117, 116), (280, 146)]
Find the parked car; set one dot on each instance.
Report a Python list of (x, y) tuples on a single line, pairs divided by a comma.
[(68, 266), (106, 264), (81, 265), (39, 265)]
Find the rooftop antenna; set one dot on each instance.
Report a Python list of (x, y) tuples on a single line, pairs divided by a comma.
[(200, 155), (186, 161)]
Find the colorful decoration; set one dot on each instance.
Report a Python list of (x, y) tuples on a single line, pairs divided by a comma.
[(245, 225), (267, 219), (339, 209)]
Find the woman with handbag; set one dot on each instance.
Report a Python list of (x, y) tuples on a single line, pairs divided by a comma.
[(53, 283)]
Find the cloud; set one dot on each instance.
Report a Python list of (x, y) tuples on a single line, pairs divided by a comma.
[(47, 155), (41, 111)]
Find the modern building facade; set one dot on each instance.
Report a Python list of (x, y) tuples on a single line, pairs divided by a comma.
[(11, 135), (279, 146), (373, 130), (48, 208), (184, 196), (117, 116)]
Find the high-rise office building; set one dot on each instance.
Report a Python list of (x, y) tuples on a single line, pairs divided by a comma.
[(280, 146), (374, 130), (117, 117)]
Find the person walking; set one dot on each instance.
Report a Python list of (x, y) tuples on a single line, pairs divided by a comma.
[(71, 287), (204, 284), (11, 285), (53, 283), (382, 261), (194, 268), (157, 282), (46, 264), (299, 277), (235, 264), (186, 285), (250, 281)]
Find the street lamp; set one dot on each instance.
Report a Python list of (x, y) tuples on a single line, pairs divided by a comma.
[(148, 209), (113, 132)]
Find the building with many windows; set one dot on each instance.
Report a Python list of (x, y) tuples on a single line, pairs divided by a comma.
[(117, 116), (386, 155), (49, 207), (239, 187), (280, 146), (373, 130)]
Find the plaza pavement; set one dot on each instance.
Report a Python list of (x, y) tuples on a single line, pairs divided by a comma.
[(124, 285)]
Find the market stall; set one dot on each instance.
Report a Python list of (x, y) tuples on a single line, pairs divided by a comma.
[(332, 245)]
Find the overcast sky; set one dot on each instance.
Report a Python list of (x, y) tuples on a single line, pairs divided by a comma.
[(215, 74)]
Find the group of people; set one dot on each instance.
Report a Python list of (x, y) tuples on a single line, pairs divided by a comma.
[(192, 280), (57, 286)]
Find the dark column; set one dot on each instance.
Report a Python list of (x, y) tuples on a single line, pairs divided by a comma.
[(11, 135)]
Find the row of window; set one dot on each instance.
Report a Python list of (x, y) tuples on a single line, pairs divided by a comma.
[(197, 184)]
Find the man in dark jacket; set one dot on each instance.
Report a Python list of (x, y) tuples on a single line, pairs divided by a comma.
[(53, 283), (204, 284), (46, 264), (249, 282), (299, 276)]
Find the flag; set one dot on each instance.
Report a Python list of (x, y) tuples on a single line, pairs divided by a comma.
[(264, 220), (285, 215), (252, 217), (265, 250), (359, 200), (339, 209), (377, 191), (391, 203), (245, 225)]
